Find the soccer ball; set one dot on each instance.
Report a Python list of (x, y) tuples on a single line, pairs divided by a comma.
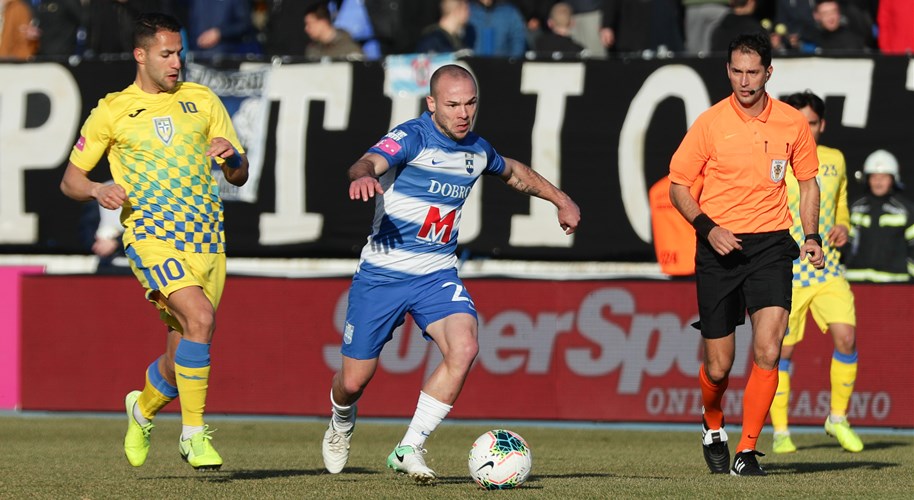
[(500, 460)]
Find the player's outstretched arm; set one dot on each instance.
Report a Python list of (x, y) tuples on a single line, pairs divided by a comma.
[(77, 185), (235, 166), (524, 179), (363, 176)]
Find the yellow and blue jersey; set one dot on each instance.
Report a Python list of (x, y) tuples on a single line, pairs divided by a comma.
[(156, 146), (832, 180)]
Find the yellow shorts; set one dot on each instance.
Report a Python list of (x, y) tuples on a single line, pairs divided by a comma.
[(830, 302), (162, 268)]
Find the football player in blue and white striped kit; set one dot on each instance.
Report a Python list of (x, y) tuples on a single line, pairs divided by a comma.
[(420, 175)]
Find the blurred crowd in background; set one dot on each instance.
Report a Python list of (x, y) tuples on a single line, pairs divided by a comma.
[(372, 29)]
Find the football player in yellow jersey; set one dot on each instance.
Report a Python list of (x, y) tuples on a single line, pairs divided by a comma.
[(824, 291), (161, 137)]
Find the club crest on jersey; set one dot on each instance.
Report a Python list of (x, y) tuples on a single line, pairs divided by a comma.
[(347, 333), (778, 169), (164, 129), (468, 160)]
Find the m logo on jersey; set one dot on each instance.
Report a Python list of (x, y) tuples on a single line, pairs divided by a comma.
[(437, 229), (778, 169), (164, 129), (468, 159)]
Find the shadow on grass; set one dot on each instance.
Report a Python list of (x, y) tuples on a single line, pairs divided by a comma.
[(867, 446), (252, 475), (816, 467), (531, 484)]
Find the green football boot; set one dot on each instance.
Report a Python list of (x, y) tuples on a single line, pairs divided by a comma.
[(136, 442), (199, 452), (849, 439)]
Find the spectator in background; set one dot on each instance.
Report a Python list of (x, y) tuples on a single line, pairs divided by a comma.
[(536, 14), (352, 17), (326, 40), (833, 34), (56, 26), (558, 38), (499, 27), (589, 25), (110, 29), (221, 27), (631, 26), (701, 17), (895, 19), (283, 34), (801, 32), (452, 33), (15, 24), (882, 225), (860, 17), (741, 19), (398, 24)]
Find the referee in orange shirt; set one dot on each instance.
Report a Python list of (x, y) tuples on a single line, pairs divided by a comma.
[(742, 147)]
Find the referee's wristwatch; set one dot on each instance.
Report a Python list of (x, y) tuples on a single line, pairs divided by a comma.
[(814, 237)]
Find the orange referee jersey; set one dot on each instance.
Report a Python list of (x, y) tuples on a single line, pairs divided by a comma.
[(743, 160)]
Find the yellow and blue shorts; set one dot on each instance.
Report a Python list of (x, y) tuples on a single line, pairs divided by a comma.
[(162, 270), (830, 302)]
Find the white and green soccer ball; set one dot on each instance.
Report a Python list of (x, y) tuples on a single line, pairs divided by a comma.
[(500, 460)]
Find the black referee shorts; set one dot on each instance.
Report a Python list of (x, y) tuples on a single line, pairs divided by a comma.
[(760, 275)]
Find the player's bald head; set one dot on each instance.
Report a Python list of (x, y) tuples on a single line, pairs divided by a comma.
[(449, 71)]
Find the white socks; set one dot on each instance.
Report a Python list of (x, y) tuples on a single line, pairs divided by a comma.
[(138, 415), (189, 430), (429, 413), (343, 416)]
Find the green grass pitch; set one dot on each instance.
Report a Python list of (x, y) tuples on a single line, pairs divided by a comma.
[(81, 457)]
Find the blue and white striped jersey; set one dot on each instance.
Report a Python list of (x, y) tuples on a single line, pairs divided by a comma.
[(417, 218)]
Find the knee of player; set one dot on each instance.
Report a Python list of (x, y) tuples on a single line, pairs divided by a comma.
[(717, 372), (199, 325), (767, 357), (846, 345), (464, 350), (353, 386)]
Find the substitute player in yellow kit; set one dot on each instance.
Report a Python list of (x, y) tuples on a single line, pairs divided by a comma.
[(824, 291), (161, 137)]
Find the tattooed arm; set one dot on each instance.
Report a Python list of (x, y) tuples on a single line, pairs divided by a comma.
[(525, 180)]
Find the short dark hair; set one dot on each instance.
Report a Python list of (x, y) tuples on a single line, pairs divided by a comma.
[(752, 42), (150, 23), (454, 70), (800, 100), (319, 10)]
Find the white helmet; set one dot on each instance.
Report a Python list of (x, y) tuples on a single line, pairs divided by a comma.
[(882, 162)]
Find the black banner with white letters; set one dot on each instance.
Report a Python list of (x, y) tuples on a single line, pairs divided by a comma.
[(602, 130)]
